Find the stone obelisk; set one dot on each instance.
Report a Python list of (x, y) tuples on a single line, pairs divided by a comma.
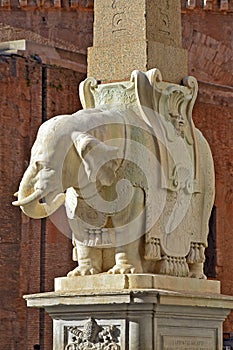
[(137, 34)]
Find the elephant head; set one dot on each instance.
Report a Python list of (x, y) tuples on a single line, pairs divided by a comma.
[(53, 168), (36, 185)]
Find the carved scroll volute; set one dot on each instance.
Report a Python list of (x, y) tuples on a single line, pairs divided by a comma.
[(145, 94), (191, 83), (167, 108), (86, 92), (143, 89), (155, 78)]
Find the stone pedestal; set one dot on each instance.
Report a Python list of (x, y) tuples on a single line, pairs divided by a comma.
[(137, 34), (133, 318)]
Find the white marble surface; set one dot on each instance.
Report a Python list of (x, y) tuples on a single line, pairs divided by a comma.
[(135, 281)]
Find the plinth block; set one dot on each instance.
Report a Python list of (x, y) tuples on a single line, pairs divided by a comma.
[(135, 281)]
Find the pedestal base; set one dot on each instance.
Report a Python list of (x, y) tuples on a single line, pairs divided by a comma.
[(134, 319)]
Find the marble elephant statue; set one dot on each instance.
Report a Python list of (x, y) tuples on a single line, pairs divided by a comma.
[(76, 160), (133, 203)]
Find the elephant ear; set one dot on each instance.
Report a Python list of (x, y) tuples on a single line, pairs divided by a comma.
[(95, 155)]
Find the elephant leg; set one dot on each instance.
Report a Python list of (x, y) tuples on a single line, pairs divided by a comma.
[(196, 270), (127, 259), (196, 259), (128, 239), (89, 260)]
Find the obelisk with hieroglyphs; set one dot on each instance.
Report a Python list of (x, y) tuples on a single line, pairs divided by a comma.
[(137, 34)]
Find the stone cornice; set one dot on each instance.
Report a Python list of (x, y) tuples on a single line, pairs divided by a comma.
[(45, 54)]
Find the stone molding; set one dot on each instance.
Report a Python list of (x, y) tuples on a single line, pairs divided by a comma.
[(45, 54)]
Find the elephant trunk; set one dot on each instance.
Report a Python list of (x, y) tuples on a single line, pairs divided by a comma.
[(29, 198)]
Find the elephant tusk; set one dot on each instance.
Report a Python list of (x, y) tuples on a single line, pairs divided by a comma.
[(42, 210), (32, 197)]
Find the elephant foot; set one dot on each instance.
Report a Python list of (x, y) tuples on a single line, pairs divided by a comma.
[(83, 271), (122, 269), (196, 271), (200, 276)]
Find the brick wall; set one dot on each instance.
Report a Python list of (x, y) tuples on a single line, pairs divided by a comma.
[(66, 27), (208, 37), (215, 121), (18, 123), (32, 252)]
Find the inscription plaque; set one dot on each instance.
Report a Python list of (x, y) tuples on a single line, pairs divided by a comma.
[(187, 343)]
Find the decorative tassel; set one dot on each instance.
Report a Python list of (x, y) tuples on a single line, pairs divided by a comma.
[(152, 249), (91, 237), (171, 266), (149, 250), (174, 266), (106, 239), (202, 253), (191, 254), (185, 267), (177, 267), (157, 249), (164, 266), (197, 253), (179, 264), (181, 267), (98, 236)]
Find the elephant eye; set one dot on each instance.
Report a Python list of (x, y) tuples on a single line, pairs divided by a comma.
[(39, 164)]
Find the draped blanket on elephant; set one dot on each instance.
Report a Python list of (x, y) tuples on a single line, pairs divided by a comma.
[(139, 160), (162, 206), (182, 228)]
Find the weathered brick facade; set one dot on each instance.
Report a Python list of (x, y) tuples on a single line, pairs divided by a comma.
[(208, 36), (33, 252)]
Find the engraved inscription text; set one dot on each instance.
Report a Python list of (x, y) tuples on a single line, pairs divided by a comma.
[(187, 343)]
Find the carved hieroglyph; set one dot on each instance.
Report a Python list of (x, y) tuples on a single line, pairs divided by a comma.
[(138, 177)]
